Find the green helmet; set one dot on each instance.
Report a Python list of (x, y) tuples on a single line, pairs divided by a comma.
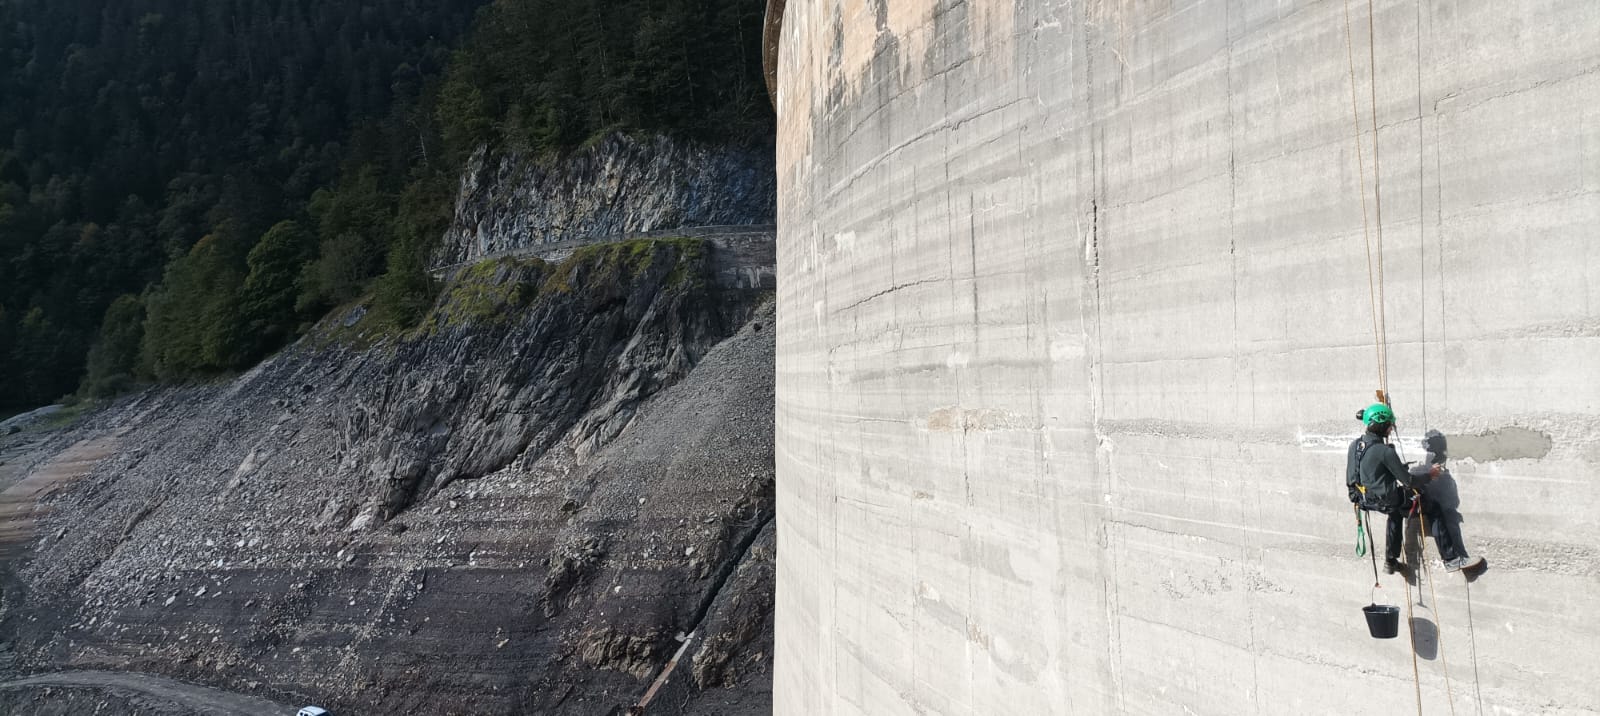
[(1377, 413)]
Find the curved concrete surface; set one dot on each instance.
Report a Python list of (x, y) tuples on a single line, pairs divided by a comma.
[(1074, 319)]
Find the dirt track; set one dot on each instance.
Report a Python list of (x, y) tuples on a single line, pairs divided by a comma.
[(20, 508), (160, 694)]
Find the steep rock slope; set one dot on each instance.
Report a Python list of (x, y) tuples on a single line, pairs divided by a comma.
[(620, 185), (519, 508)]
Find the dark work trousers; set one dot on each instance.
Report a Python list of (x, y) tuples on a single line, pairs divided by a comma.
[(1446, 533)]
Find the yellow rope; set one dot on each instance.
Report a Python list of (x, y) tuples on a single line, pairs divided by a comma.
[(1380, 322), (1366, 228), (1380, 328), (1472, 638), (1411, 630), (1438, 626), (1377, 189)]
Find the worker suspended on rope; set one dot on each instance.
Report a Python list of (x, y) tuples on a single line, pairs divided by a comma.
[(1378, 481)]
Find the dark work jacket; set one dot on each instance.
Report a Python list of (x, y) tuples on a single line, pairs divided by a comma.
[(1380, 470)]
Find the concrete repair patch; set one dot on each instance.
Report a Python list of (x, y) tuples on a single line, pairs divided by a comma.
[(1510, 443)]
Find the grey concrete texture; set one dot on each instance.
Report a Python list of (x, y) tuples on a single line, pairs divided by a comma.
[(1074, 318)]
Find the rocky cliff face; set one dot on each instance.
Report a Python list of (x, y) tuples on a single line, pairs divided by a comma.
[(620, 185), (522, 507)]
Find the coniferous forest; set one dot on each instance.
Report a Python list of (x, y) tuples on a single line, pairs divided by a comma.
[(186, 185)]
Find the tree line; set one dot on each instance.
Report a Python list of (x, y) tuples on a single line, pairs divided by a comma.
[(186, 185)]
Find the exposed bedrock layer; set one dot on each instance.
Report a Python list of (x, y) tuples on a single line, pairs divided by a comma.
[(619, 185), (521, 507), (1074, 319)]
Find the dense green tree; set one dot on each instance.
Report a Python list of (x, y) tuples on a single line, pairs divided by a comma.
[(194, 326), (406, 289), (353, 221), (272, 284), (37, 345), (114, 358), (549, 74), (244, 165), (131, 129)]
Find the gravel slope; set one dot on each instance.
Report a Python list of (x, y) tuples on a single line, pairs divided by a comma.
[(518, 511)]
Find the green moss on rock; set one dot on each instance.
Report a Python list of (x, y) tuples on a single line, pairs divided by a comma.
[(494, 290), (487, 292), (627, 260)]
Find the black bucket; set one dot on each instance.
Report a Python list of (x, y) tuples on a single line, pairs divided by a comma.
[(1383, 620)]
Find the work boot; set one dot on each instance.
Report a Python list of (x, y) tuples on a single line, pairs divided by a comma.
[(1390, 566)]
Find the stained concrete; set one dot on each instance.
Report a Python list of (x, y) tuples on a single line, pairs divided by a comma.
[(1075, 313), (1511, 443)]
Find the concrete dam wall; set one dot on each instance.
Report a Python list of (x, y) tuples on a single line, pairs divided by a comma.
[(1075, 316)]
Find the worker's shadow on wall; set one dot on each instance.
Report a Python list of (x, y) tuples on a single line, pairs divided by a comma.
[(1443, 491), (1425, 638)]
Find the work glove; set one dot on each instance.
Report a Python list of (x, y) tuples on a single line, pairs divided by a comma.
[(1421, 476)]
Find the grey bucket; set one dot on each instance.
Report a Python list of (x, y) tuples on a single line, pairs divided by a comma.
[(1383, 620)]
